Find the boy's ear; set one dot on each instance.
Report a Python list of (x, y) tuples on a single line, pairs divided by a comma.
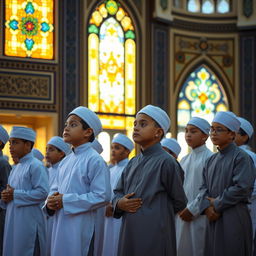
[(159, 133), (88, 132)]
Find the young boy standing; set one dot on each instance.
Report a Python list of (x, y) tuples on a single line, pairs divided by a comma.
[(27, 189), (5, 169), (228, 179), (121, 147), (190, 225), (149, 192), (82, 185), (56, 150)]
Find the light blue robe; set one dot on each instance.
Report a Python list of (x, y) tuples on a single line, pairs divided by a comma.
[(83, 179), (113, 225), (52, 173), (191, 235), (24, 218)]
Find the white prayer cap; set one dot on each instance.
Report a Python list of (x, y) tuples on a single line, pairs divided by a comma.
[(97, 146), (159, 115), (4, 137), (23, 133), (89, 117), (37, 154), (228, 119), (124, 141), (172, 145), (200, 123), (246, 126), (59, 143)]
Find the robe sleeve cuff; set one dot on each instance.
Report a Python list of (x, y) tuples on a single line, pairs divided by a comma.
[(204, 205), (194, 210), (117, 212)]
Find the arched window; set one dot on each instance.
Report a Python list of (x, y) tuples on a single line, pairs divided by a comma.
[(29, 28), (209, 6), (201, 95), (112, 67)]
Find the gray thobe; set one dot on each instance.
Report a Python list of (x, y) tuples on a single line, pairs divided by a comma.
[(5, 169), (153, 176), (228, 176)]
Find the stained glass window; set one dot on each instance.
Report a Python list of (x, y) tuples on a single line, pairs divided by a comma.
[(208, 6), (223, 6), (193, 6), (112, 66), (201, 95), (29, 28)]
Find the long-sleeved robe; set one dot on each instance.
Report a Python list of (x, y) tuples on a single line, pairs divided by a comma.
[(5, 169), (83, 179), (191, 235), (113, 225), (228, 177), (52, 173), (153, 176), (25, 222)]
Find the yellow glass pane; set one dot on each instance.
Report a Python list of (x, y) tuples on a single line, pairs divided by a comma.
[(29, 28), (130, 77), (93, 72)]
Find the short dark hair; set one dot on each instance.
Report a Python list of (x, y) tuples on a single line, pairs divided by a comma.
[(243, 133), (86, 126), (158, 126), (2, 145), (32, 143)]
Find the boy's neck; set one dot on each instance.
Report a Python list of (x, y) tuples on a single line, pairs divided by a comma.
[(221, 147), (80, 143), (198, 146), (148, 145)]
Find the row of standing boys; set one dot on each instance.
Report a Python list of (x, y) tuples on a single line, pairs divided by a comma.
[(152, 205)]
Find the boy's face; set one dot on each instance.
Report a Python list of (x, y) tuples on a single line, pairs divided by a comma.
[(53, 155), (19, 148), (145, 131), (220, 135), (118, 152), (74, 133), (194, 136)]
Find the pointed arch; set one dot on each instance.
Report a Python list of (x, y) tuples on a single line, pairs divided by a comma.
[(201, 94), (112, 66)]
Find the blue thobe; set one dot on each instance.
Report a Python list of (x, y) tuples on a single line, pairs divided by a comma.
[(191, 235), (112, 225), (83, 179), (24, 221)]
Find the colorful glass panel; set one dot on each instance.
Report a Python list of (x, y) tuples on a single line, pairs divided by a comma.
[(112, 65), (29, 28), (201, 95)]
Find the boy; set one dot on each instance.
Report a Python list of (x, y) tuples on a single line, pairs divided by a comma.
[(149, 192), (24, 232), (5, 169), (171, 146), (228, 178), (82, 185), (121, 147), (242, 139), (190, 226), (56, 150)]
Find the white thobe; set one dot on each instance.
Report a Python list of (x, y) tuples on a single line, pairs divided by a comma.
[(24, 220), (112, 225), (190, 235), (83, 179), (52, 173), (252, 206)]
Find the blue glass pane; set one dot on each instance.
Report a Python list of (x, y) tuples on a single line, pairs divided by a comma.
[(193, 6), (208, 6), (223, 6)]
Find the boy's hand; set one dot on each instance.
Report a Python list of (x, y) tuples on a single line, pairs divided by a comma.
[(109, 210), (54, 202), (211, 199), (129, 205), (211, 214), (186, 215), (7, 194)]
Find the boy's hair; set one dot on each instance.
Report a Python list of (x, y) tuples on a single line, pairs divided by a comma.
[(243, 133), (59, 150), (86, 126), (2, 145), (158, 126), (32, 143)]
